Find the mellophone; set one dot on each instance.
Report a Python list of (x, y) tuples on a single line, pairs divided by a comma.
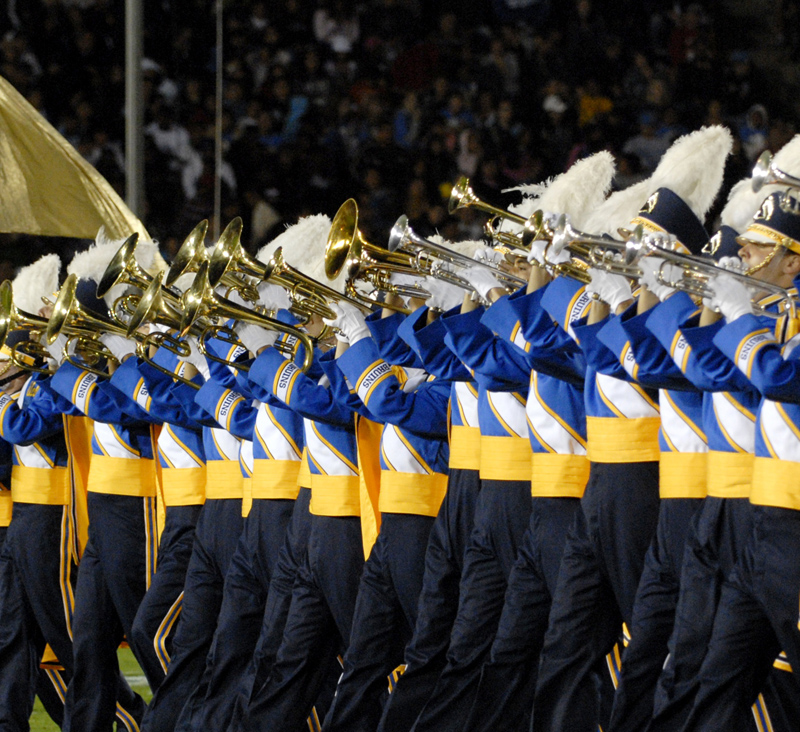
[(202, 313)]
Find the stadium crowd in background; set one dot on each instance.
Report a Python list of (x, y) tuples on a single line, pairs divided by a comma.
[(390, 100)]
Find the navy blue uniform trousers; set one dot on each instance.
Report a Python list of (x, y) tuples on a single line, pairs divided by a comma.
[(426, 652), (504, 697), (159, 612), (290, 558), (501, 517), (112, 580), (757, 617), (600, 570), (714, 545), (317, 627), (384, 620), (243, 600), (216, 536), (37, 577), (653, 616)]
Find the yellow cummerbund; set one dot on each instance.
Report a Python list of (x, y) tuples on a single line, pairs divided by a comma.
[(505, 458), (184, 486), (122, 476), (224, 479), (45, 486), (729, 474), (6, 507), (412, 492), (247, 496), (619, 440), (276, 479), (558, 476), (682, 474), (776, 483), (304, 476), (335, 495), (465, 447)]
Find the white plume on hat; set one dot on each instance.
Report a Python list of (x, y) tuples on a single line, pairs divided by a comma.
[(36, 281), (92, 262), (742, 205), (576, 192), (618, 210), (303, 247), (693, 167)]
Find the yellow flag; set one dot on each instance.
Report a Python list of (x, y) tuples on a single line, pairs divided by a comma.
[(46, 187)]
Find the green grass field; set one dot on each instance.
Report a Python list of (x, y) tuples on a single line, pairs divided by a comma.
[(40, 722)]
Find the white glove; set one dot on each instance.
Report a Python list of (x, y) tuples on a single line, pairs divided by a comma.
[(730, 297), (487, 254), (732, 264), (444, 295), (235, 296), (255, 338), (350, 321), (536, 253), (651, 268), (196, 359), (610, 288), (556, 257), (273, 297), (55, 349), (120, 347), (482, 280)]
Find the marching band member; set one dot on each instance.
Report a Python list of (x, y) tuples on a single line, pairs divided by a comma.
[(183, 481), (501, 512), (119, 559), (503, 698), (413, 481), (684, 448), (716, 539), (320, 615), (424, 655), (216, 536), (757, 616), (38, 575)]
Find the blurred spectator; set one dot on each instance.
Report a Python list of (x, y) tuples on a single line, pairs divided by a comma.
[(753, 131), (646, 145)]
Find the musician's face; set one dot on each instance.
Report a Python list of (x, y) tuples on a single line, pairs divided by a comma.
[(781, 268)]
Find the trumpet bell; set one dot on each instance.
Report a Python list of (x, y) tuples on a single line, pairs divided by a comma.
[(191, 254), (12, 318), (765, 173), (343, 237), (225, 251), (123, 263)]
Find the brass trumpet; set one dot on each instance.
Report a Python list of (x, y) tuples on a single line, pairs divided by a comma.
[(308, 296), (26, 353), (697, 272), (123, 269), (348, 251), (193, 253), (200, 301), (83, 329), (765, 173), (440, 262), (153, 308), (462, 196)]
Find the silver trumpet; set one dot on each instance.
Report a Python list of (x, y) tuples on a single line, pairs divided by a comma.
[(765, 173)]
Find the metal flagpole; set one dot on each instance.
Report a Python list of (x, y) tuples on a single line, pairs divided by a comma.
[(218, 129), (134, 140)]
